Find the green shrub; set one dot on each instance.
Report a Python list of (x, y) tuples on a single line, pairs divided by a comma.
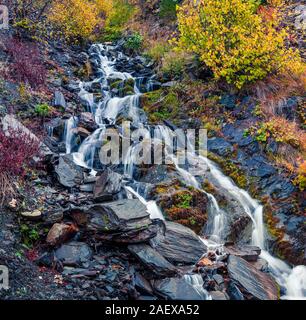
[(167, 9), (42, 110), (120, 14), (134, 42)]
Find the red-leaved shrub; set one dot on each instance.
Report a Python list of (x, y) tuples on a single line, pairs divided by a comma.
[(26, 64), (17, 150)]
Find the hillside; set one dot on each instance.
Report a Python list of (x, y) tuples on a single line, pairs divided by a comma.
[(108, 189)]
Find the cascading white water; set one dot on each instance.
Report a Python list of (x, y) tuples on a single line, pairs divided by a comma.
[(70, 124), (197, 282), (152, 207), (109, 109), (85, 155), (293, 280)]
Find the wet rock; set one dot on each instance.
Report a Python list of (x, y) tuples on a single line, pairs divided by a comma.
[(234, 292), (122, 215), (176, 289), (179, 244), (139, 235), (152, 260), (95, 87), (69, 174), (87, 121), (60, 233), (248, 253), (261, 265), (107, 185), (56, 128), (73, 253), (253, 283), (220, 146), (82, 132), (218, 279), (142, 285), (59, 100)]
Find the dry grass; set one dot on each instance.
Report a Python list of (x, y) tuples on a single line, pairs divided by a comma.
[(273, 92)]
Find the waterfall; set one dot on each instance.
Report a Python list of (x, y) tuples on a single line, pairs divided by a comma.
[(107, 111), (86, 153), (152, 207), (197, 282), (70, 125)]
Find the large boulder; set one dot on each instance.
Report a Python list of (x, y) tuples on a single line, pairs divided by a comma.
[(251, 282), (152, 260), (124, 221), (69, 174), (178, 289), (107, 185), (121, 215), (179, 245), (248, 253), (9, 122)]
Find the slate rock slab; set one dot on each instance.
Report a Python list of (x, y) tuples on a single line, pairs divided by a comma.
[(179, 245), (177, 289), (73, 253), (153, 260), (251, 282)]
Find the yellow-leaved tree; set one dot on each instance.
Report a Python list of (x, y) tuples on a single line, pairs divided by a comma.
[(77, 19), (234, 38)]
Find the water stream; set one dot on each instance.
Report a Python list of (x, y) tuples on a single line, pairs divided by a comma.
[(106, 112)]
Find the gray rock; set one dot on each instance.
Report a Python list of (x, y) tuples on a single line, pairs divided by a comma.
[(177, 289), (152, 260), (143, 285), (59, 100), (139, 235), (248, 253), (10, 122), (68, 173), (107, 185), (233, 292), (73, 253), (220, 146), (123, 215), (179, 245), (253, 283), (87, 121)]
